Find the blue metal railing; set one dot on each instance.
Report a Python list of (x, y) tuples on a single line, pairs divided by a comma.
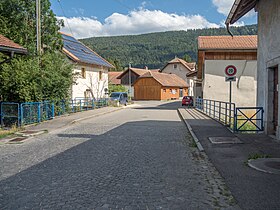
[(35, 112), (238, 119)]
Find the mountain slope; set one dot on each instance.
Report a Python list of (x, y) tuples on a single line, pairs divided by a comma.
[(155, 49)]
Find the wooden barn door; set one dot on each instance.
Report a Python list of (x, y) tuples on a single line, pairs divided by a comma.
[(275, 98)]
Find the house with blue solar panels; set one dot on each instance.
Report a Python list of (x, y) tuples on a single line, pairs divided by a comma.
[(91, 68)]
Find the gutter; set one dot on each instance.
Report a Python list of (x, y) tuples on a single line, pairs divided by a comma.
[(13, 50), (230, 15)]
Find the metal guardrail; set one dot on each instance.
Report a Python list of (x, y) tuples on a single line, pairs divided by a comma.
[(238, 119), (248, 119), (218, 110), (19, 114)]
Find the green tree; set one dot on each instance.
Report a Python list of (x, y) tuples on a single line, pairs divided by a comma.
[(30, 78)]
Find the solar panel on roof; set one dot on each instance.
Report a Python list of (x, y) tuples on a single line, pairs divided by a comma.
[(82, 52)]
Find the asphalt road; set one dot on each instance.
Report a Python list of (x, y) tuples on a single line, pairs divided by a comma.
[(137, 158)]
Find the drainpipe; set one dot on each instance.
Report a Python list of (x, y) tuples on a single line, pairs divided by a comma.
[(228, 30)]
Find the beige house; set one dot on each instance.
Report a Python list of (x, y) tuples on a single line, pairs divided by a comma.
[(268, 56), (91, 70), (215, 53), (184, 70)]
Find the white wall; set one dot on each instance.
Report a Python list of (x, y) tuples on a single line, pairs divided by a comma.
[(243, 90), (90, 82), (181, 72), (268, 57)]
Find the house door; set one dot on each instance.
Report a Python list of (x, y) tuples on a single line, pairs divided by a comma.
[(181, 93), (275, 98)]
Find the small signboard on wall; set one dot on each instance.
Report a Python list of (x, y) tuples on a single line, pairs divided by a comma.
[(228, 79), (230, 72)]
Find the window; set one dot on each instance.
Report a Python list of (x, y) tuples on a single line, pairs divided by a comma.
[(170, 90), (100, 75), (175, 66), (164, 90), (83, 73)]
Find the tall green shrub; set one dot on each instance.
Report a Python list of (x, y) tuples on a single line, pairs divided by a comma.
[(33, 78)]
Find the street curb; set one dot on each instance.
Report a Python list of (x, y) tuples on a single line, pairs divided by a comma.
[(94, 115), (199, 146)]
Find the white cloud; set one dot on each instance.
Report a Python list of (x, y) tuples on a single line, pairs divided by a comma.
[(136, 22), (236, 24), (223, 6)]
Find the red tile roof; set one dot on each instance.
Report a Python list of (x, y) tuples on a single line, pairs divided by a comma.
[(190, 66), (138, 71), (227, 42), (113, 77), (166, 80), (7, 43)]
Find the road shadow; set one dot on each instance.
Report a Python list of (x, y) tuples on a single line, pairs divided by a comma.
[(252, 189), (172, 105), (120, 168)]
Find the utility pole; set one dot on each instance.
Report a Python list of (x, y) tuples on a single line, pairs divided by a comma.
[(129, 80), (38, 26)]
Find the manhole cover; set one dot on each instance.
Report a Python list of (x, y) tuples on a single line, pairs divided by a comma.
[(30, 132), (224, 140), (268, 165), (17, 139)]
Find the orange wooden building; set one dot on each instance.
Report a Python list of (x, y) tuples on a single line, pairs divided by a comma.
[(159, 86)]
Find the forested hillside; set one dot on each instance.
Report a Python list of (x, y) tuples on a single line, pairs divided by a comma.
[(155, 49)]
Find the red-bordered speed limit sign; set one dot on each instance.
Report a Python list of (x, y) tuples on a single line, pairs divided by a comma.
[(230, 70)]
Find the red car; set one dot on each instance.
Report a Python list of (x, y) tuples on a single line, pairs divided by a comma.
[(187, 101)]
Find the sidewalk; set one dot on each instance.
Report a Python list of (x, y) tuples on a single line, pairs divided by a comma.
[(68, 119), (251, 188)]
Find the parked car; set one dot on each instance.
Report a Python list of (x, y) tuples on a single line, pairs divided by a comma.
[(119, 98), (187, 101)]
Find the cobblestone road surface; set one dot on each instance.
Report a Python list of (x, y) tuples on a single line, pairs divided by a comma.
[(136, 158)]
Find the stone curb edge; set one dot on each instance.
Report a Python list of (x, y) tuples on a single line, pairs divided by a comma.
[(94, 115), (199, 146)]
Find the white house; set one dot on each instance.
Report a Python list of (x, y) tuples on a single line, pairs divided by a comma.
[(184, 70), (91, 70), (215, 53), (268, 56)]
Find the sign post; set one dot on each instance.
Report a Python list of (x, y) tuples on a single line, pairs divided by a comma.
[(230, 72)]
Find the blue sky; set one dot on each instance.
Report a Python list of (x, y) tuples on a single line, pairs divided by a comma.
[(88, 18)]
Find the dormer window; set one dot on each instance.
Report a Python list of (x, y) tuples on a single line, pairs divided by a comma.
[(175, 66)]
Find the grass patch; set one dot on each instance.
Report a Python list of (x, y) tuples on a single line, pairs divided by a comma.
[(5, 133), (193, 143), (256, 156)]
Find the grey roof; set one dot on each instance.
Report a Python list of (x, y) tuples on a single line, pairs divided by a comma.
[(78, 52)]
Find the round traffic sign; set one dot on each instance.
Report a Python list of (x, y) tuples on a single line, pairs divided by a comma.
[(230, 70)]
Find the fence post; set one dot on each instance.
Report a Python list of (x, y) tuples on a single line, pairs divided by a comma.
[(219, 111), (39, 112), (235, 120), (226, 114), (21, 114), (214, 109), (53, 113)]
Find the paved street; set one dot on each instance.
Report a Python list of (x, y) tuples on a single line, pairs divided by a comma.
[(141, 157)]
